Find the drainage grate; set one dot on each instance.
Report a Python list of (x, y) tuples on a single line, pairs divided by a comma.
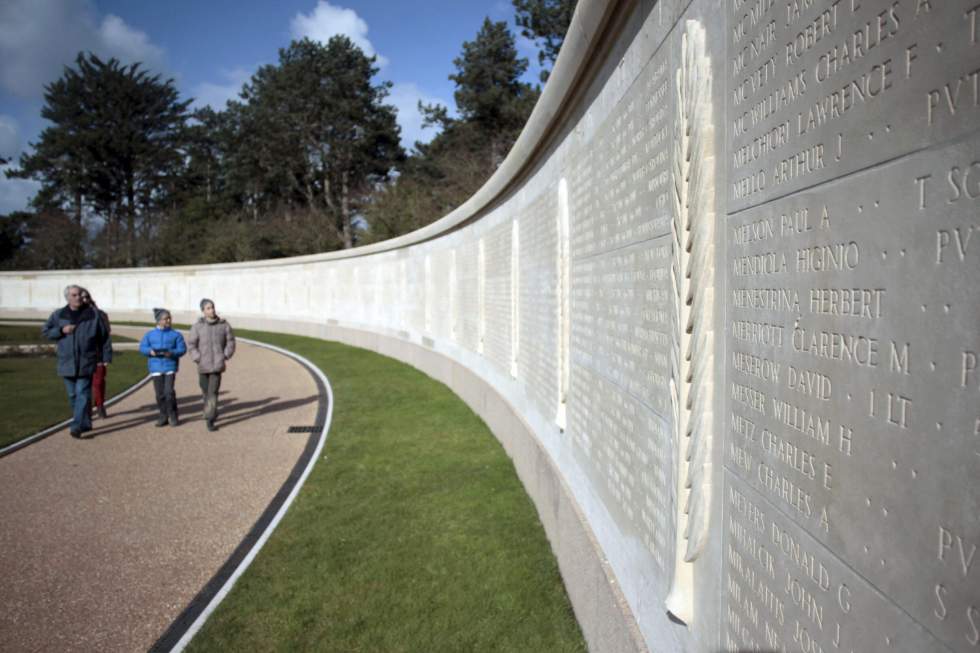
[(316, 428)]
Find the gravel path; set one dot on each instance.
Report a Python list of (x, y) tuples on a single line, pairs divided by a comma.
[(103, 542)]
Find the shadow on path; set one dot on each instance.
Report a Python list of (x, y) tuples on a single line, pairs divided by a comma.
[(230, 412), (225, 420)]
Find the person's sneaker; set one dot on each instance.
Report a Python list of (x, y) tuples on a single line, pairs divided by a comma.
[(75, 433), (161, 421), (173, 420), (102, 412), (211, 426)]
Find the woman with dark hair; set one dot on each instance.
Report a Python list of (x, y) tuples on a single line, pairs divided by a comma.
[(105, 357)]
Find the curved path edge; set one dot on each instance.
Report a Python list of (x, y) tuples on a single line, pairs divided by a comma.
[(51, 430), (187, 624)]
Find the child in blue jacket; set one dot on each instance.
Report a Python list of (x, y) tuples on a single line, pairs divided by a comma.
[(164, 347)]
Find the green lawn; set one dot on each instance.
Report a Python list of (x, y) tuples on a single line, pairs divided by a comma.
[(31, 335), (21, 335), (411, 534), (33, 397)]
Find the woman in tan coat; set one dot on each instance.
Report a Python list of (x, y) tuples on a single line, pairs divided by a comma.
[(211, 342)]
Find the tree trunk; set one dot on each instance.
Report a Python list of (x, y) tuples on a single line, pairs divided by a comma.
[(130, 222), (78, 207), (78, 253), (112, 239), (345, 218)]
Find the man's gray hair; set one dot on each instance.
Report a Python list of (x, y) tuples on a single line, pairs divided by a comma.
[(68, 288)]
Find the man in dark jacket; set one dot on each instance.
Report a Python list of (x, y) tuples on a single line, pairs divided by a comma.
[(83, 340)]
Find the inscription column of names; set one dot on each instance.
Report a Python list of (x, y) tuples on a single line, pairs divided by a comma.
[(852, 423)]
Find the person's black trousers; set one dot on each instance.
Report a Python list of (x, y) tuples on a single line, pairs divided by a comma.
[(166, 397)]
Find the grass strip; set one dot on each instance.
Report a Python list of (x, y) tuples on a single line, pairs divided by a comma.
[(31, 335), (32, 395), (412, 533), (22, 335)]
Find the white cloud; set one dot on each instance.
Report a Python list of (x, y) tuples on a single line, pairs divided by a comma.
[(217, 95), (129, 45), (326, 21), (9, 137), (15, 193), (405, 97), (39, 37)]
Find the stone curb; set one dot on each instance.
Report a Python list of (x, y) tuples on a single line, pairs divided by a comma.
[(32, 349), (40, 435)]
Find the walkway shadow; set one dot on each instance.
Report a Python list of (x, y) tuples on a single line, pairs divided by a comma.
[(194, 406), (184, 403), (188, 405), (147, 414), (224, 421), (190, 408), (126, 425)]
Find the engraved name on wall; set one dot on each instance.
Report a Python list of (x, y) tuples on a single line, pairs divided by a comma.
[(819, 89), (854, 403)]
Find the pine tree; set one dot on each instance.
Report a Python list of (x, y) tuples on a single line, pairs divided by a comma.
[(113, 145), (545, 21), (489, 93), (493, 105), (315, 132)]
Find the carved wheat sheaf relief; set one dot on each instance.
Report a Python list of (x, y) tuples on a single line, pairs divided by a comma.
[(692, 274)]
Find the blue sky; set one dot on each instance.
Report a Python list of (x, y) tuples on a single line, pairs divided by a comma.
[(210, 48)]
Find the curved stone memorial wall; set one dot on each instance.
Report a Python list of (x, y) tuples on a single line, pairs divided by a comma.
[(722, 305)]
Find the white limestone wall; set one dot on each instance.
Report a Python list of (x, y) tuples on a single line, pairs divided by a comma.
[(554, 286)]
